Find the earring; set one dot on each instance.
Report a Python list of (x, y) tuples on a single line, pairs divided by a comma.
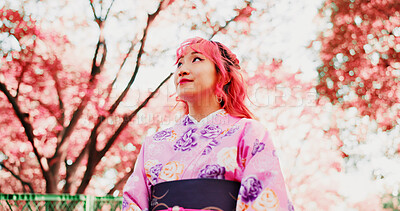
[(219, 99)]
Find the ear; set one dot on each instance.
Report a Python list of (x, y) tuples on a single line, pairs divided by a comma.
[(228, 80)]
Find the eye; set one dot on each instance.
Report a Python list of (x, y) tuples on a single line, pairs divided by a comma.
[(179, 64), (195, 59)]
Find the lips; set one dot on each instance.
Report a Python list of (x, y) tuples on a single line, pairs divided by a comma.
[(184, 80)]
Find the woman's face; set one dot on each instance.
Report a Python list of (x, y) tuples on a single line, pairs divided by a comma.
[(195, 77)]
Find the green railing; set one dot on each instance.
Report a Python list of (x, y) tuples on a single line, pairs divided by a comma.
[(52, 202)]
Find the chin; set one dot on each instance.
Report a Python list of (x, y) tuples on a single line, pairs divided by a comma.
[(186, 96)]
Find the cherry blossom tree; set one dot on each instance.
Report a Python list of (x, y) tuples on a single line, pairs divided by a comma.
[(51, 99), (311, 160), (360, 55), (330, 157), (66, 120)]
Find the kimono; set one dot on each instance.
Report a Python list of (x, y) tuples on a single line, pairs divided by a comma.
[(220, 146)]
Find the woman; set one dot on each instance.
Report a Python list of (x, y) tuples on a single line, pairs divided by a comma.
[(217, 152)]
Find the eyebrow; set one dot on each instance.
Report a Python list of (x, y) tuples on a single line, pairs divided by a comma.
[(194, 52)]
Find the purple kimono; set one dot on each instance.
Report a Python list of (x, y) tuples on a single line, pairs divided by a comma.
[(221, 147)]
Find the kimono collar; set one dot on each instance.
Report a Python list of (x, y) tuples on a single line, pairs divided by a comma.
[(207, 118)]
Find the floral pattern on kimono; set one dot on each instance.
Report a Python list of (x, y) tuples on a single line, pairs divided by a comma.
[(219, 147)]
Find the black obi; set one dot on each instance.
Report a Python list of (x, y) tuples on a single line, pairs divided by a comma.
[(207, 194)]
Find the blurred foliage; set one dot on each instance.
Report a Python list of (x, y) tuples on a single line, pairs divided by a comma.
[(360, 52)]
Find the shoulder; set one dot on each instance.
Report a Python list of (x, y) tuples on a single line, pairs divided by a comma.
[(252, 128), (252, 124)]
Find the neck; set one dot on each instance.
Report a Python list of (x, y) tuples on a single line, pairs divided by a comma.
[(201, 109)]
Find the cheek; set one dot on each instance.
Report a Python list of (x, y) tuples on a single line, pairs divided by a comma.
[(175, 79), (214, 80), (214, 75)]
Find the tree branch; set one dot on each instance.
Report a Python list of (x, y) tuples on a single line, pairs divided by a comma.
[(122, 181), (95, 156), (221, 28), (20, 80), (227, 22), (60, 101), (108, 10), (94, 11), (138, 60), (109, 88), (23, 183), (93, 136), (47, 107), (72, 168), (61, 148), (25, 123), (60, 153), (150, 20), (163, 4), (129, 118), (96, 69)]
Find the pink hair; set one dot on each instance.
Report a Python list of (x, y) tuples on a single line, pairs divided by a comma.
[(231, 86)]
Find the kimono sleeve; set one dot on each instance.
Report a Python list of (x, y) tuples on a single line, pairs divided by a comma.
[(136, 190), (262, 184)]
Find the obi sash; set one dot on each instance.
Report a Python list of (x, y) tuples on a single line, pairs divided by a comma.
[(192, 194)]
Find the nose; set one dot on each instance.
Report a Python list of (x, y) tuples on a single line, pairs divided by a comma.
[(182, 72)]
